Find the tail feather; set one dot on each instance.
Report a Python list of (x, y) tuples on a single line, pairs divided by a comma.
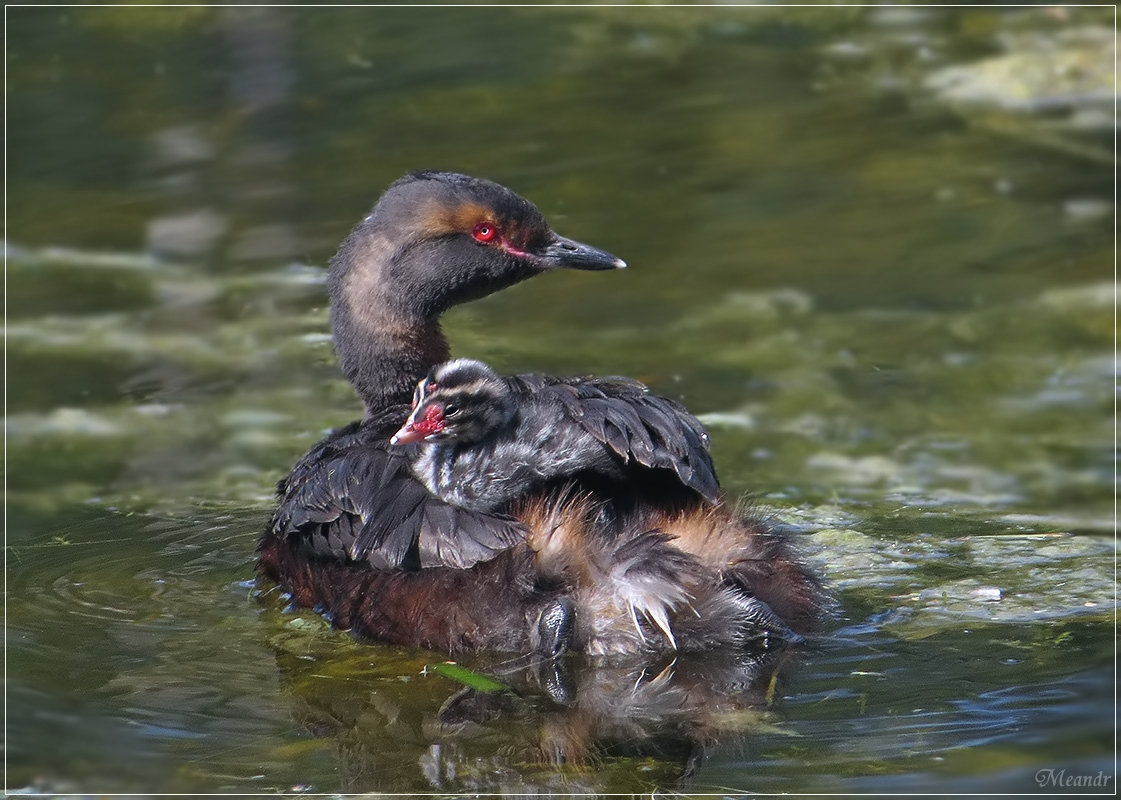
[(751, 557), (700, 578)]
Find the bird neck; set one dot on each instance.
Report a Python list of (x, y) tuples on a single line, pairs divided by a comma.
[(384, 346), (384, 365), (387, 298)]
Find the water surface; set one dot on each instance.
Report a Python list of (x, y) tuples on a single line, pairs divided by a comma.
[(870, 248)]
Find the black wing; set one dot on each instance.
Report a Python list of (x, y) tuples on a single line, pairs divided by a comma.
[(353, 497), (640, 427)]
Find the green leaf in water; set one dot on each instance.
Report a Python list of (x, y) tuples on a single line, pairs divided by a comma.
[(469, 678)]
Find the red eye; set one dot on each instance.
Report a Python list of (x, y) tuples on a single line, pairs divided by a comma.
[(484, 232)]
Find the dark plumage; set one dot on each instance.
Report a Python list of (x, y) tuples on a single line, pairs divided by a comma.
[(482, 442), (433, 240), (485, 440), (586, 566)]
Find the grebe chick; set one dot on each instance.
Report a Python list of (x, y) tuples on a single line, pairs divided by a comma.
[(484, 440)]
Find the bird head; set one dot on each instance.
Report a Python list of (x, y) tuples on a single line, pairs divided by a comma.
[(462, 401), (436, 239)]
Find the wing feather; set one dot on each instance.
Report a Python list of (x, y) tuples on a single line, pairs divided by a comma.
[(354, 498), (636, 425)]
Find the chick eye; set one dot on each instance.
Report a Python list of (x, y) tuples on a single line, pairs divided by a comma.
[(484, 232), (451, 409)]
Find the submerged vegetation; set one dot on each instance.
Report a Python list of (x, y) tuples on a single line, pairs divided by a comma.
[(871, 247)]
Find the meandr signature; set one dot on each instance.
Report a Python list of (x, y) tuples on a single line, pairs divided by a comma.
[(1061, 779)]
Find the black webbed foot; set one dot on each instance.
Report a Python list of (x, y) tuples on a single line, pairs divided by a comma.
[(556, 628), (558, 681), (767, 627)]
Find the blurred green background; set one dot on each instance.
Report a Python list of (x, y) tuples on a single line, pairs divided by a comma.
[(872, 247)]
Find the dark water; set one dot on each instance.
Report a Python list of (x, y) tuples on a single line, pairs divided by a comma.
[(872, 247)]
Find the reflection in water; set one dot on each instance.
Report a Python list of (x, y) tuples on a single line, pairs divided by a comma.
[(650, 721), (894, 298)]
